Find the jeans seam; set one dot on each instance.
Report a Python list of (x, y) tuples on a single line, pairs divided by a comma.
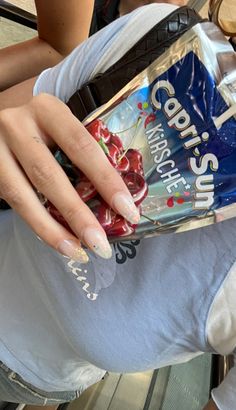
[(4, 367), (12, 378)]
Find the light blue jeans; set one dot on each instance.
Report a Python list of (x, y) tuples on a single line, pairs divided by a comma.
[(14, 389)]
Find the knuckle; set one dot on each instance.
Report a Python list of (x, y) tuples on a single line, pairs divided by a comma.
[(73, 215), (42, 175), (5, 117), (40, 102), (80, 143), (10, 124), (42, 98), (11, 194), (109, 175)]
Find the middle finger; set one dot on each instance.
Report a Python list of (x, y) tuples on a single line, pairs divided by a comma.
[(88, 156)]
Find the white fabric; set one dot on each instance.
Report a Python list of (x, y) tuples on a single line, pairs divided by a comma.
[(100, 51), (221, 323)]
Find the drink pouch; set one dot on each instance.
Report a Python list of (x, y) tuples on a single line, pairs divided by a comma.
[(171, 134)]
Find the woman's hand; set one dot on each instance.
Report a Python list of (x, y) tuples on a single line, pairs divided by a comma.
[(27, 165)]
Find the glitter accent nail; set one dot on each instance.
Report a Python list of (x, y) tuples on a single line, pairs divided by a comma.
[(72, 250)]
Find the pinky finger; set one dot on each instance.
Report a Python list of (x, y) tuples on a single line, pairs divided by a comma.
[(19, 194)]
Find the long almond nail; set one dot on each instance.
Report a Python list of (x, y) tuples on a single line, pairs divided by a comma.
[(72, 250), (97, 242), (125, 206)]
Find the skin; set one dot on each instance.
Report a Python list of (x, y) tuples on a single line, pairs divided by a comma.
[(126, 6), (61, 27), (30, 122), (21, 168), (51, 45), (211, 406)]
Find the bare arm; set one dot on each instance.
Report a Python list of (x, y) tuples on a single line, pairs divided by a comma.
[(211, 406), (64, 24), (17, 95), (61, 26)]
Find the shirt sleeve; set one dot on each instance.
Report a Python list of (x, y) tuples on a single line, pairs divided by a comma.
[(100, 51), (225, 395)]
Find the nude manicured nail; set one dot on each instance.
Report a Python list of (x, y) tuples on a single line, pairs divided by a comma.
[(125, 206), (72, 250), (97, 242)]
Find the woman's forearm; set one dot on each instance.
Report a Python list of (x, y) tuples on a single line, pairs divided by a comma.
[(64, 24), (61, 27), (25, 60)]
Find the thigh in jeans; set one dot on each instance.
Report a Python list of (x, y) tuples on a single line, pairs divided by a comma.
[(14, 389)]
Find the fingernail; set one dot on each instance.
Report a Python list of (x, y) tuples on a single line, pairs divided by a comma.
[(97, 242), (125, 206), (72, 250)]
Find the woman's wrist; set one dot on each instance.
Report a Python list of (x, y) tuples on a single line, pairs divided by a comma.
[(17, 95)]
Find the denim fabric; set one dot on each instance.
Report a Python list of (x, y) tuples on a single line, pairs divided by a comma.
[(14, 389)]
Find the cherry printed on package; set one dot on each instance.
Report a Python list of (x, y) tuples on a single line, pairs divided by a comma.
[(128, 163)]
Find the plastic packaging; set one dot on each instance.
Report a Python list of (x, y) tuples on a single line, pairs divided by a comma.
[(171, 134)]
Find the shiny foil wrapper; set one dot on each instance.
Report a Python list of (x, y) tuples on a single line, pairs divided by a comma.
[(171, 134)]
